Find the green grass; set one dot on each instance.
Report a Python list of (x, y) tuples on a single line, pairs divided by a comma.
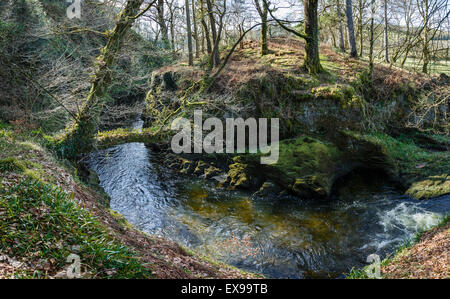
[(41, 222), (435, 67), (409, 155)]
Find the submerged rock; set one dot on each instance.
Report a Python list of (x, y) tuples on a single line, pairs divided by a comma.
[(268, 188)]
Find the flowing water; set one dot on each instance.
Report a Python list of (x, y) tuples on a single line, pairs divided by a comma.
[(281, 237)]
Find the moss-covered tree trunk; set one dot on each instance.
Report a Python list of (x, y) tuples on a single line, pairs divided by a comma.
[(426, 40), (215, 55), (386, 33), (263, 12), (341, 28), (360, 27), (79, 137), (312, 58), (162, 24), (205, 27), (194, 23), (264, 44)]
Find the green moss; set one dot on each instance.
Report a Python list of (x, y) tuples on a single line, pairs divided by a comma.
[(105, 139), (200, 168), (343, 94), (12, 164), (306, 165), (28, 168), (121, 219), (432, 186), (424, 172), (187, 166), (211, 172), (238, 176)]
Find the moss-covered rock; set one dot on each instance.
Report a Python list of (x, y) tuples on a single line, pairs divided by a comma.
[(433, 186), (187, 166), (238, 176), (211, 172), (424, 173), (268, 188), (343, 94), (200, 168), (306, 166)]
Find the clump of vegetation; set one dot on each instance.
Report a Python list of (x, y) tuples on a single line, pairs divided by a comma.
[(44, 223), (424, 172), (343, 94)]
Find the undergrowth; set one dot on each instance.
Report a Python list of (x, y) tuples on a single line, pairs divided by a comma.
[(41, 223)]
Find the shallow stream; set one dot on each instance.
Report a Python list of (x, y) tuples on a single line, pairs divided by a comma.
[(281, 237)]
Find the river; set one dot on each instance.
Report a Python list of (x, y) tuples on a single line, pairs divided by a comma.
[(278, 236)]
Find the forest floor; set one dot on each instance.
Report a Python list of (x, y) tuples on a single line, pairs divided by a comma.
[(286, 56), (47, 213)]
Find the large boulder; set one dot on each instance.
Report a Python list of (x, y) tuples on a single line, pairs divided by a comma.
[(432, 186), (308, 167)]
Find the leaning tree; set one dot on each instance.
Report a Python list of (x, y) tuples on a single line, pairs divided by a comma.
[(79, 136)]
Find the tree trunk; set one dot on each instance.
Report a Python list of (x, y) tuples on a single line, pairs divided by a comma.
[(162, 24), (264, 27), (333, 37), (172, 36), (425, 50), (241, 30), (360, 27), (79, 137), (189, 32), (215, 58), (312, 58), (386, 33), (194, 19), (371, 39), (205, 28), (351, 30), (263, 11), (341, 28)]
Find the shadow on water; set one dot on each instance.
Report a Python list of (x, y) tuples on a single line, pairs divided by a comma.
[(281, 237)]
